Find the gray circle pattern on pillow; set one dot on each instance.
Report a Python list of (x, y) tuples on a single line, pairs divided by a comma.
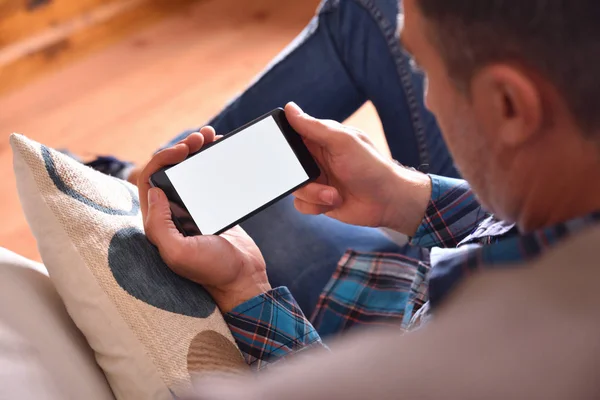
[(138, 268)]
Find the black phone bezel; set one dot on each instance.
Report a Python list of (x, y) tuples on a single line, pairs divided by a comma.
[(160, 179)]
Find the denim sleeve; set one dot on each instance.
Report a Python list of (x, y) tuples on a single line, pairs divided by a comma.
[(271, 327), (452, 214)]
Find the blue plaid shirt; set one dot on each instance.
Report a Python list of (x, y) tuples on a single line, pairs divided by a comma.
[(455, 239)]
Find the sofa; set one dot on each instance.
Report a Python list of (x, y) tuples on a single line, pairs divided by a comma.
[(43, 354)]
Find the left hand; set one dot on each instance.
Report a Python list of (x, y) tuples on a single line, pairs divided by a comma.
[(229, 266)]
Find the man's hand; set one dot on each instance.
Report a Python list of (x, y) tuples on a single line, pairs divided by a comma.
[(229, 266), (358, 185)]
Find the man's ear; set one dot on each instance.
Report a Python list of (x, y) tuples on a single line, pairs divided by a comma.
[(507, 103)]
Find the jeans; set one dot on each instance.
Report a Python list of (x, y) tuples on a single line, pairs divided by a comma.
[(348, 54)]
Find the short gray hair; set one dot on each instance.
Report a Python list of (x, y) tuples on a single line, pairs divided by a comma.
[(559, 39)]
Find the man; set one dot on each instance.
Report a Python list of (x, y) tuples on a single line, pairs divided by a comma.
[(522, 127)]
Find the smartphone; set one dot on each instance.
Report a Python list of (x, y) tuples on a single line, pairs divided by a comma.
[(234, 178)]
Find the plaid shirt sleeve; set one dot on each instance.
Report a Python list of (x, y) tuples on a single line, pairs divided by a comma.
[(452, 214), (271, 327)]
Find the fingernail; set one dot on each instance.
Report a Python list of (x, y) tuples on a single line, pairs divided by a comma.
[(326, 197), (296, 107), (152, 196)]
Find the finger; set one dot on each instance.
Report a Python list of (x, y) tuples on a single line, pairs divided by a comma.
[(163, 158), (209, 134), (326, 133), (194, 141), (318, 194), (310, 208), (159, 226)]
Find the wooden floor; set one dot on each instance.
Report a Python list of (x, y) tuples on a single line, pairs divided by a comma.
[(133, 96)]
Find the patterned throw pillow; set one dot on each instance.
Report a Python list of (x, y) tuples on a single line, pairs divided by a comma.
[(150, 329)]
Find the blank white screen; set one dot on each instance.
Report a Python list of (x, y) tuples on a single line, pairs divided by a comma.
[(237, 176)]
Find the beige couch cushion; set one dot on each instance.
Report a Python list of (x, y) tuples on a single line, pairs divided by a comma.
[(42, 353), (149, 327)]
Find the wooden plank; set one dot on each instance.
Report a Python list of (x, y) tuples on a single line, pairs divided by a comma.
[(79, 38), (61, 33), (19, 20)]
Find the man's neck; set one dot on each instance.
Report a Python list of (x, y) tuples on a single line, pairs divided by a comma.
[(568, 191)]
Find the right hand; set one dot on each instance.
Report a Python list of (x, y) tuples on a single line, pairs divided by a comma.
[(358, 185)]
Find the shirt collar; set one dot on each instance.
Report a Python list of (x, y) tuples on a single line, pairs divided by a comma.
[(508, 249)]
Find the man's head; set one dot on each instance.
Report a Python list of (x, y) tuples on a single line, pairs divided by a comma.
[(515, 86)]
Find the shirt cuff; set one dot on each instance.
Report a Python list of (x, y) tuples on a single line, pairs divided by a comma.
[(452, 214), (270, 327)]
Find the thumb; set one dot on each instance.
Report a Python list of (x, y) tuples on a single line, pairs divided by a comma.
[(323, 132), (158, 223)]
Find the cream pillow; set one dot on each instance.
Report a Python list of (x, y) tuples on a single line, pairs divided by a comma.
[(150, 328)]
